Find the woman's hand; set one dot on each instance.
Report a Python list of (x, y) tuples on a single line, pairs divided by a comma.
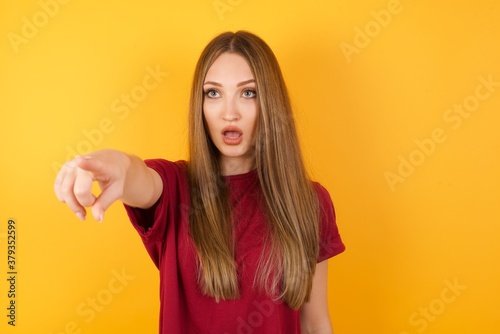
[(73, 184)]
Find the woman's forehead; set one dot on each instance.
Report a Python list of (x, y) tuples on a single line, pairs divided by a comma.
[(229, 68)]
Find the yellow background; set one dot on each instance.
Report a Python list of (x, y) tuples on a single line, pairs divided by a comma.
[(368, 79)]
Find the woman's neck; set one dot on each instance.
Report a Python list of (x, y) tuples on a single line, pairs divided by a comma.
[(236, 165)]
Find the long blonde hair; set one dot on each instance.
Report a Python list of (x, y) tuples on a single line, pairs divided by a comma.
[(288, 263)]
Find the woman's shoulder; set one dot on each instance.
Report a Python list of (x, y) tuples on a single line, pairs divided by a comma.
[(164, 163), (168, 168), (320, 190)]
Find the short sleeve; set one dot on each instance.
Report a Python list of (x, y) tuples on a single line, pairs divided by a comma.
[(154, 223), (330, 241)]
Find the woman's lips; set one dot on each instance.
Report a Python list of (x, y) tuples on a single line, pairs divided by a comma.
[(232, 135)]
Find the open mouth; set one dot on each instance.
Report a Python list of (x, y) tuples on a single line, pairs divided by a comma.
[(232, 135)]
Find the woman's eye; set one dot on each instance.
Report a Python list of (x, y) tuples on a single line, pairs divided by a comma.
[(212, 93), (249, 93)]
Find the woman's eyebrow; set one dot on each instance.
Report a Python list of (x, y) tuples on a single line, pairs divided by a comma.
[(220, 85), (245, 82), (212, 83)]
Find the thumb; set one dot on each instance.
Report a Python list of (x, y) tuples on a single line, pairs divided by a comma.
[(107, 197)]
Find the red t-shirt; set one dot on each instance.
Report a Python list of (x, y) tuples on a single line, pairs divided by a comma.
[(164, 231)]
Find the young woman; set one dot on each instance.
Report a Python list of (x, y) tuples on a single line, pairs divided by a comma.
[(239, 233)]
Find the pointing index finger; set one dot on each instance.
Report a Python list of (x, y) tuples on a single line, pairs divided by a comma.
[(90, 164)]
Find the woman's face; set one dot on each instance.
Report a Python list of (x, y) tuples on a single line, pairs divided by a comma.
[(230, 111)]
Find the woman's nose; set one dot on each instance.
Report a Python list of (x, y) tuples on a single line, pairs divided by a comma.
[(230, 112)]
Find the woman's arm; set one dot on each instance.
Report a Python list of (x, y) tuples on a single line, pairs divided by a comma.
[(314, 315), (120, 177)]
